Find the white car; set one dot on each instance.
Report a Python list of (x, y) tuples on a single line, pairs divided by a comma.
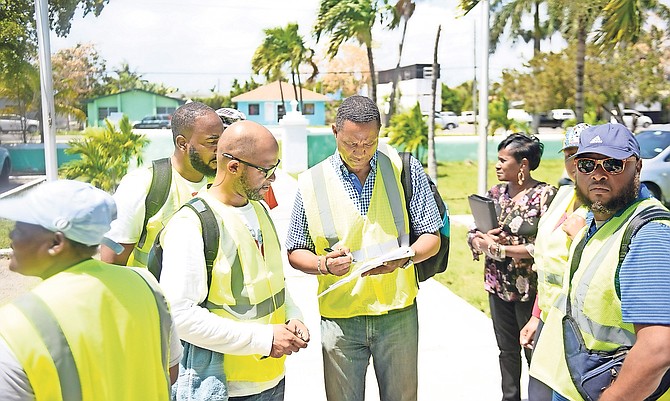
[(655, 153), (563, 114), (16, 123), (519, 115), (444, 119), (467, 117), (629, 116)]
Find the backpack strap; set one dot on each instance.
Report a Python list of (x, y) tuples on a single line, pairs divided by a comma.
[(406, 177), (161, 180), (210, 234)]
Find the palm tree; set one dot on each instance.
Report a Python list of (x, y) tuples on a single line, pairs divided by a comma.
[(349, 19), (284, 47), (409, 130), (432, 161), (403, 11)]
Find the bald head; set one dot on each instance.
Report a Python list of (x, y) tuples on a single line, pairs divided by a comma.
[(248, 140)]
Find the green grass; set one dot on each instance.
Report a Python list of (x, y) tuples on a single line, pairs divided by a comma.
[(5, 227), (457, 180)]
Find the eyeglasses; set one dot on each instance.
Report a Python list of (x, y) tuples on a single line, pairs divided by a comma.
[(267, 171), (611, 166)]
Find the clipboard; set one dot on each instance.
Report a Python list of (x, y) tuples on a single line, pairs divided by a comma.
[(484, 212)]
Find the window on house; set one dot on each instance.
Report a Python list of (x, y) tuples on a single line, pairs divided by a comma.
[(308, 109), (254, 109), (104, 112), (165, 110)]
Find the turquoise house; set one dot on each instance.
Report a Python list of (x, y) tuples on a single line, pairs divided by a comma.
[(264, 104), (134, 103)]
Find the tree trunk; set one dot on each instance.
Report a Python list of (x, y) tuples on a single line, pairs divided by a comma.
[(394, 85), (537, 38), (373, 75), (295, 91), (300, 89), (579, 66), (283, 102), (432, 162)]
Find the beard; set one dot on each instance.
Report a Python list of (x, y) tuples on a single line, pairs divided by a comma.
[(200, 166), (625, 198), (248, 191)]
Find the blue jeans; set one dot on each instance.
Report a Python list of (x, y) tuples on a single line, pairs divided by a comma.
[(274, 394), (392, 341), (558, 397), (201, 376)]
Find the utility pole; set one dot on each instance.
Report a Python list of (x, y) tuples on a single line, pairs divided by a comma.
[(47, 89), (482, 186)]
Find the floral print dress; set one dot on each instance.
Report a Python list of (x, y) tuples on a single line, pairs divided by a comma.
[(514, 279)]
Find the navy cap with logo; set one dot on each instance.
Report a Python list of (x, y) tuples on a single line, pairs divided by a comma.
[(611, 140)]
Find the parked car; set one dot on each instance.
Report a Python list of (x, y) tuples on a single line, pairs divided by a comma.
[(445, 119), (519, 115), (631, 116), (15, 123), (6, 166), (655, 153), (547, 120), (156, 121), (467, 117), (563, 114)]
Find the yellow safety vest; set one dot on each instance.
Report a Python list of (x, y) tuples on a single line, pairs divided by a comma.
[(552, 248), (93, 332), (596, 307), (333, 218), (179, 194), (247, 285)]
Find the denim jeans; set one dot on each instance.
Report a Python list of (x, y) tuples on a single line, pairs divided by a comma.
[(392, 341), (274, 394), (558, 397), (201, 376)]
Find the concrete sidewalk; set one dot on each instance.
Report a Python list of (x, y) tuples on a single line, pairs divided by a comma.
[(458, 356)]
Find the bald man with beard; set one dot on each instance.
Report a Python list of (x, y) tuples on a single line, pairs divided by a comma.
[(245, 323)]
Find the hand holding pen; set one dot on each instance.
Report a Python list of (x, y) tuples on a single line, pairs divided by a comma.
[(337, 261)]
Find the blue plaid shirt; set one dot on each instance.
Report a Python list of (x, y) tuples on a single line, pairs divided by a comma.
[(423, 212)]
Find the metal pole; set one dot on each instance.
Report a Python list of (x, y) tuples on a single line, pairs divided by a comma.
[(46, 85), (482, 186)]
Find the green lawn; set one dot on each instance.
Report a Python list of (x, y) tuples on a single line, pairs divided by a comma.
[(457, 180)]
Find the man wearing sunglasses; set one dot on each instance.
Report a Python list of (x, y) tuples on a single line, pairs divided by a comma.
[(237, 330), (616, 301)]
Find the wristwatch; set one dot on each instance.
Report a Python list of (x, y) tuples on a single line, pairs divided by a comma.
[(409, 262)]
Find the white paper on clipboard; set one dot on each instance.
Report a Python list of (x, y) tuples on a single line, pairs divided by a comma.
[(359, 268)]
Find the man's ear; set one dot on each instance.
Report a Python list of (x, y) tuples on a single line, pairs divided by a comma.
[(58, 245), (181, 142)]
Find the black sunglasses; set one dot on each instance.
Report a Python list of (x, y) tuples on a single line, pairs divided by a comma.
[(267, 171), (611, 166)]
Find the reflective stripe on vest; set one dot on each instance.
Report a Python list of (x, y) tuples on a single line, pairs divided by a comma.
[(367, 236), (49, 330), (251, 312)]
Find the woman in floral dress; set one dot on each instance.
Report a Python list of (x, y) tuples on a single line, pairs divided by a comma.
[(508, 275)]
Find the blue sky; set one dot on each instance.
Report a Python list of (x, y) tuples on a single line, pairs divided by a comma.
[(195, 45)]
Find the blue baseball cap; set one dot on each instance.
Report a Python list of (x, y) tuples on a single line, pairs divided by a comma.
[(82, 212), (611, 140)]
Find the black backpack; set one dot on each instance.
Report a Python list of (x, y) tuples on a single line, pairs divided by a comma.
[(210, 239), (438, 262)]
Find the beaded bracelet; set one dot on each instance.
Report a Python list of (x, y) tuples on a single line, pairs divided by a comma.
[(318, 265)]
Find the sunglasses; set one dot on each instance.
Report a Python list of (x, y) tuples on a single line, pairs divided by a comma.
[(267, 171), (611, 166)]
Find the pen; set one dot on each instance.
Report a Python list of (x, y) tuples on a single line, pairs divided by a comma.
[(346, 254)]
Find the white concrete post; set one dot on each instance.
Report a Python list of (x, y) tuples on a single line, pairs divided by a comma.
[(294, 141)]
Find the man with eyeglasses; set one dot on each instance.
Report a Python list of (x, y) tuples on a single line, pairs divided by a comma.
[(237, 330), (616, 303)]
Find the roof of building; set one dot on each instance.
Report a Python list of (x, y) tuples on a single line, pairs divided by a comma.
[(181, 101), (271, 92)]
